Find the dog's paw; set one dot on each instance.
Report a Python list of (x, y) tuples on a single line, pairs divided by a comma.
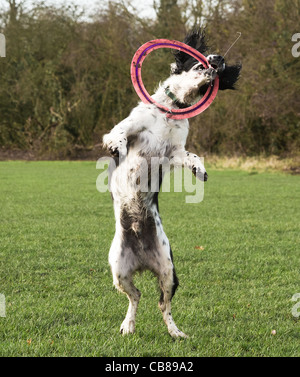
[(210, 74), (176, 333), (116, 144), (194, 163), (127, 327), (199, 173)]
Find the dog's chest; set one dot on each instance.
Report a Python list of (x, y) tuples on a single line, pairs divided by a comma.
[(161, 136), (176, 131)]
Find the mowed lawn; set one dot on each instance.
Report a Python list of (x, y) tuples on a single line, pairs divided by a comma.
[(236, 255)]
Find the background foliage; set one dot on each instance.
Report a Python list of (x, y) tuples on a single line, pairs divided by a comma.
[(65, 80)]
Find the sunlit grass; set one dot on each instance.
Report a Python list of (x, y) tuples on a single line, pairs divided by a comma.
[(236, 255), (257, 163)]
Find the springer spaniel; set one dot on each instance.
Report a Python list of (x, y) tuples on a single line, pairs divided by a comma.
[(146, 135)]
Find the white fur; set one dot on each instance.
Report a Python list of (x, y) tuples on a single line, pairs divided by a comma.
[(140, 241)]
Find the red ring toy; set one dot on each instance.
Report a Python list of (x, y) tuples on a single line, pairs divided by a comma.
[(136, 77)]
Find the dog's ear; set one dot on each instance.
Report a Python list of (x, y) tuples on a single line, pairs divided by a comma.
[(229, 76), (195, 39)]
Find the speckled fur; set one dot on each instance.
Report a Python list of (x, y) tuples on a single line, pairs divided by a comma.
[(140, 242)]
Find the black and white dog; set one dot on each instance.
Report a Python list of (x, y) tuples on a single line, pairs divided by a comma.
[(140, 242)]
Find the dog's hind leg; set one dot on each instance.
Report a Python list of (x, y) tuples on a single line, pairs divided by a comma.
[(168, 283), (123, 280), (125, 285)]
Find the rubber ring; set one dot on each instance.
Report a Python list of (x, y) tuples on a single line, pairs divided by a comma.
[(136, 77)]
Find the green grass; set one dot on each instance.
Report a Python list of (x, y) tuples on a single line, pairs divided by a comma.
[(56, 229)]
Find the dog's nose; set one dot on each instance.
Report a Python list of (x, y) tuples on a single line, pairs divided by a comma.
[(217, 62), (205, 177)]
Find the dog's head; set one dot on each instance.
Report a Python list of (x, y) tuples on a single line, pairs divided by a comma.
[(190, 79)]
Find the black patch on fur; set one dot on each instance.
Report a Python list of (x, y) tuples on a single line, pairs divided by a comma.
[(171, 254), (195, 39), (130, 141), (117, 161), (175, 282), (227, 78), (155, 196), (155, 200), (184, 62), (139, 230)]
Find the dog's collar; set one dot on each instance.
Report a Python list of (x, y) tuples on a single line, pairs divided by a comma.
[(175, 99)]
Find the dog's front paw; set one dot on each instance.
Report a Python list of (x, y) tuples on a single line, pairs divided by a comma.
[(116, 144), (210, 74), (194, 163), (199, 173)]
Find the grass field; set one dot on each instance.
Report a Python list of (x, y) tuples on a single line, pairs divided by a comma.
[(236, 255)]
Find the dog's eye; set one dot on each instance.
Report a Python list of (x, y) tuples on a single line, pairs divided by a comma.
[(199, 67)]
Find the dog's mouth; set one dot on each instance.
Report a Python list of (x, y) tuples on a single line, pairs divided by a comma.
[(217, 62), (211, 73)]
